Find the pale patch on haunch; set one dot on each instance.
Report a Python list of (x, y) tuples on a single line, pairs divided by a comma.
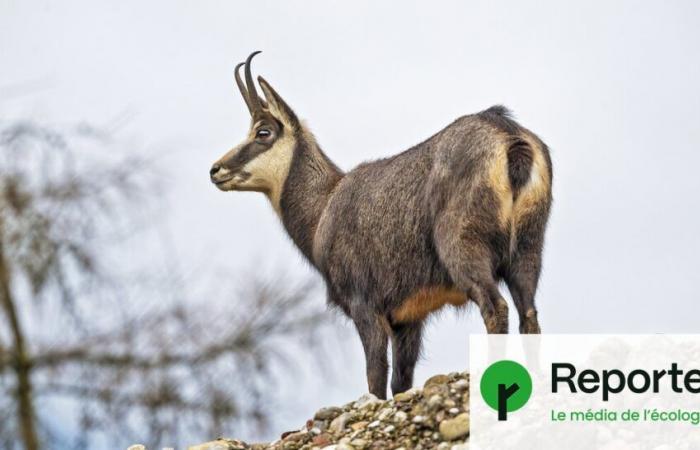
[(500, 184), (511, 211), (269, 170), (538, 186)]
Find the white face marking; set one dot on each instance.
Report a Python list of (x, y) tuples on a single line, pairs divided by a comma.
[(268, 171), (232, 183)]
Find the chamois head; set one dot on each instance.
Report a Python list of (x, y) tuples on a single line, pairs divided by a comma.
[(261, 162)]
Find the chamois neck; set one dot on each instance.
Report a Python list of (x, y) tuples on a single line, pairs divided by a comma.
[(312, 177)]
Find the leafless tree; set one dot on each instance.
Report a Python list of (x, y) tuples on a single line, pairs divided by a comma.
[(80, 346)]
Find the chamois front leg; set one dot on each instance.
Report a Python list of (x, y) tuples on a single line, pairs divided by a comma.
[(405, 345), (374, 339)]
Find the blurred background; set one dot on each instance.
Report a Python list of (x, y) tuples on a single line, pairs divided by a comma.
[(140, 304)]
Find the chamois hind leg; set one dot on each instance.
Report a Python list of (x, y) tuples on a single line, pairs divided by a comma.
[(522, 278), (405, 347), (469, 262), (372, 329), (523, 272)]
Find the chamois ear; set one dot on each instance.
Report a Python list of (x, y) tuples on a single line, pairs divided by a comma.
[(276, 105)]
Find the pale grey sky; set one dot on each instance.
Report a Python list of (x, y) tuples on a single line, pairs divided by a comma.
[(612, 87)]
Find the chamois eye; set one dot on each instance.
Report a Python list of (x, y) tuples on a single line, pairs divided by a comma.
[(263, 133)]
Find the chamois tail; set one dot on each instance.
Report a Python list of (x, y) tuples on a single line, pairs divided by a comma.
[(520, 156)]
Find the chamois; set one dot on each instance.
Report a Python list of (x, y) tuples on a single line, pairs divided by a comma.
[(398, 238)]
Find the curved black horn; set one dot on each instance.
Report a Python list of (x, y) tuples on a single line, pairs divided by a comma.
[(242, 88), (252, 93)]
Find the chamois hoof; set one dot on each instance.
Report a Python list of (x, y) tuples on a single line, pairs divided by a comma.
[(530, 325), (497, 324)]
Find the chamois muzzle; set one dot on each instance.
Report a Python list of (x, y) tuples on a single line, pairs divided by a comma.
[(217, 175), (220, 175)]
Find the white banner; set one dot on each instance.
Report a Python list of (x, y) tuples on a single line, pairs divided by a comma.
[(585, 392)]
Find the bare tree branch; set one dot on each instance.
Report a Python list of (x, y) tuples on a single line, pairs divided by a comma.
[(128, 369), (20, 361)]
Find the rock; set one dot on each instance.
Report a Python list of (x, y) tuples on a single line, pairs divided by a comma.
[(367, 400), (433, 417), (378, 445), (437, 379), (452, 429), (385, 414), (327, 413), (220, 444), (440, 416), (321, 439), (359, 443), (338, 447), (400, 416), (405, 396), (320, 424), (436, 389), (293, 437), (339, 423), (460, 385), (435, 402), (359, 425)]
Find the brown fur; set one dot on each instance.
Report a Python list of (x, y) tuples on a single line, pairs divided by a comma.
[(399, 238), (425, 301)]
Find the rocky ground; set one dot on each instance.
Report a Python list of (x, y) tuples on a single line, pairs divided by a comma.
[(433, 417)]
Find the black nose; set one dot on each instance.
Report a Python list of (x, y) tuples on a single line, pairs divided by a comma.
[(215, 168)]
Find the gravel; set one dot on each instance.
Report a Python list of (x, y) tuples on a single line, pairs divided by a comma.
[(434, 417)]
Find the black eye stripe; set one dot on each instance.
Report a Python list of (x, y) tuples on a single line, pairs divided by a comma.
[(245, 155)]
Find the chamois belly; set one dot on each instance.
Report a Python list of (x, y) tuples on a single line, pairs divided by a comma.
[(426, 300)]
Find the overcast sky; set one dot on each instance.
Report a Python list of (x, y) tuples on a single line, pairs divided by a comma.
[(612, 87)]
